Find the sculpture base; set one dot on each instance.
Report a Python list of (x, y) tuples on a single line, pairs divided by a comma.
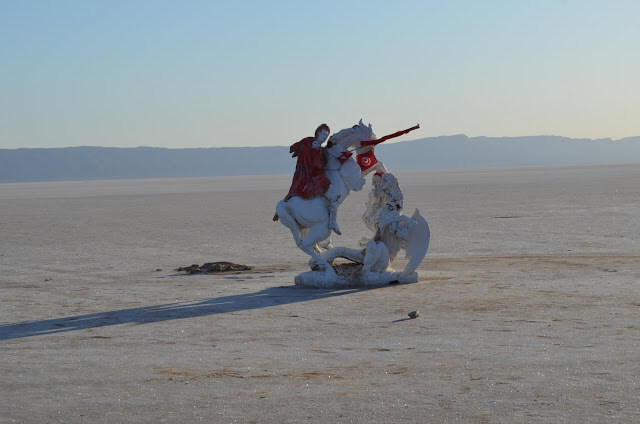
[(349, 276)]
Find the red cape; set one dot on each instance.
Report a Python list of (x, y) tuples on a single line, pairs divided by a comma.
[(309, 180)]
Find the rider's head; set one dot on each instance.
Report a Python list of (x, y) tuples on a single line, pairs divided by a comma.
[(322, 133)]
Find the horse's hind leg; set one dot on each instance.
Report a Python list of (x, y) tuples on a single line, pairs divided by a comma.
[(317, 234), (288, 221), (325, 244), (303, 234)]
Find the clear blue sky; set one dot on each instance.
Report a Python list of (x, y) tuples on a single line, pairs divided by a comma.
[(248, 73)]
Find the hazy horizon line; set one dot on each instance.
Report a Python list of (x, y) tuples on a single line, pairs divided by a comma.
[(606, 139)]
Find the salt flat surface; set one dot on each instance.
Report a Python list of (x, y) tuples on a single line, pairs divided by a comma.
[(529, 303)]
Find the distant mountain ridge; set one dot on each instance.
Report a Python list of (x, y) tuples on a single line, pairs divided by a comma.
[(455, 151), (460, 151)]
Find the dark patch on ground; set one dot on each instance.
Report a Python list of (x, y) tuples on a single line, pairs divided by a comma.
[(214, 267)]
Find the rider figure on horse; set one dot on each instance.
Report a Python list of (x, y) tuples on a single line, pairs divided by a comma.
[(309, 180)]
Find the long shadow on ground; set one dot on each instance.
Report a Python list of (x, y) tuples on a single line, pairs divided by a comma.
[(273, 296)]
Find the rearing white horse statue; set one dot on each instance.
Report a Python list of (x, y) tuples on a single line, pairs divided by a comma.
[(309, 220)]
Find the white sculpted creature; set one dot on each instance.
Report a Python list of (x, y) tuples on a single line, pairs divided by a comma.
[(385, 190), (392, 229)]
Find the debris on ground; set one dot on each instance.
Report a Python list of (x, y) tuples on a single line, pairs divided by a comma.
[(213, 267)]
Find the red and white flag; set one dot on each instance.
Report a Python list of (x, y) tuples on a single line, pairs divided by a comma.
[(366, 160)]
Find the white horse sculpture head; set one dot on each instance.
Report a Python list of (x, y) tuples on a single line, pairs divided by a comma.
[(344, 142), (351, 137)]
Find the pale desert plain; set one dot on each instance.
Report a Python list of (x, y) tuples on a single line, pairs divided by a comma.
[(529, 302)]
